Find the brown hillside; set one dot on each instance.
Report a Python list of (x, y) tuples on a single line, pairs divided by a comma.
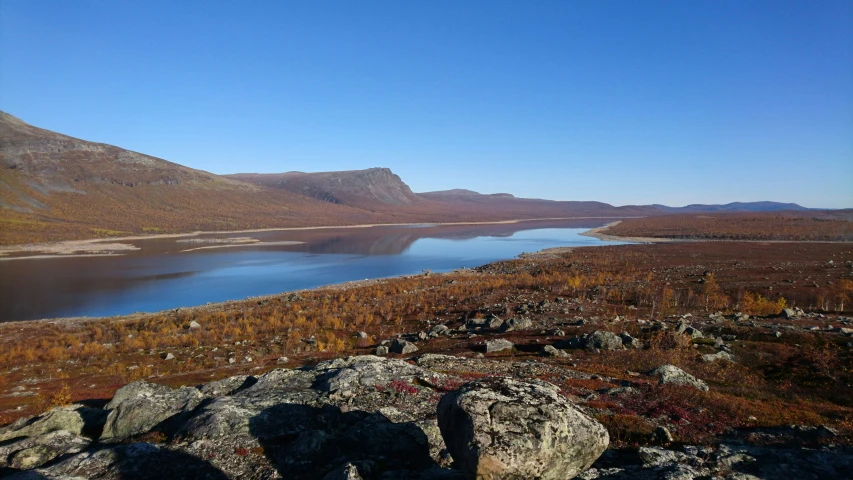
[(56, 187), (359, 188)]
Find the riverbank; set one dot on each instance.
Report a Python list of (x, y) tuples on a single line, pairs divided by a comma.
[(114, 245), (601, 234)]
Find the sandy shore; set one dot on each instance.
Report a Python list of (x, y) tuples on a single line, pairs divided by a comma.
[(113, 245), (600, 234)]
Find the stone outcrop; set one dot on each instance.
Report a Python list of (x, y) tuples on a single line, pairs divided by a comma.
[(500, 428), (670, 374)]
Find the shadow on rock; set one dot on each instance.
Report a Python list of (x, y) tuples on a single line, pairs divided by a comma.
[(305, 442), (136, 461)]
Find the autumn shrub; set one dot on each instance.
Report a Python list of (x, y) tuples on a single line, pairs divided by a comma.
[(755, 304), (626, 429)]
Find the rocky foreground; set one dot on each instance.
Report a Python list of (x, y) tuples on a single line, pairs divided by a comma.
[(379, 418)]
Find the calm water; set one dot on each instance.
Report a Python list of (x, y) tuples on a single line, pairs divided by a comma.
[(160, 276)]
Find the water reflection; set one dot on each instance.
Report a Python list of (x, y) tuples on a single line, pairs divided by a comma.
[(159, 276)]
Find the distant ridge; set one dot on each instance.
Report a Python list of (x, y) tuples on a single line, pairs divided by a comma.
[(735, 207), (359, 188), (57, 187)]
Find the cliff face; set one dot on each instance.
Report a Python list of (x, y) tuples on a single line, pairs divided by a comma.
[(358, 188)]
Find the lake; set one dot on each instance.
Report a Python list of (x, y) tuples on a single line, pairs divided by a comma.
[(162, 274)]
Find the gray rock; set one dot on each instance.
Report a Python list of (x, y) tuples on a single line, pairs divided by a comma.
[(194, 325), (227, 386), (662, 436), (150, 405), (516, 324), (550, 351), (402, 347), (36, 451), (439, 330), (630, 342), (381, 350), (789, 313), (498, 345), (670, 374), (603, 340), (713, 357), (500, 428), (75, 419)]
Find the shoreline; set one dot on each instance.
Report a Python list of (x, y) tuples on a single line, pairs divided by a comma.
[(598, 232), (68, 248)]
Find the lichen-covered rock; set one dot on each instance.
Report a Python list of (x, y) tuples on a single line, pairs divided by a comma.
[(498, 345), (550, 351), (402, 347), (75, 419), (516, 324), (670, 374), (603, 340), (227, 386), (34, 452), (150, 405), (500, 428)]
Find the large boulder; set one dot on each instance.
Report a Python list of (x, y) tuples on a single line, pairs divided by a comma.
[(670, 374), (500, 428), (603, 340), (516, 324), (36, 451), (142, 406), (402, 347), (75, 419)]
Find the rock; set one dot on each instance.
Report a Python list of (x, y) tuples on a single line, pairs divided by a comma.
[(516, 324), (789, 313), (670, 374), (169, 356), (75, 419), (574, 342), (282, 360), (603, 340), (693, 332), (630, 342), (140, 406), (500, 428), (403, 347), (381, 350), (347, 472), (194, 325), (713, 357), (362, 335), (662, 436), (227, 386), (36, 451), (777, 334), (550, 351), (439, 330), (498, 345)]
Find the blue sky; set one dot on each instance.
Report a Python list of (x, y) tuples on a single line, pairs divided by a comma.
[(671, 102)]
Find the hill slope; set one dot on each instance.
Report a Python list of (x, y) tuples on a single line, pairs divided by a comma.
[(53, 187), (359, 188)]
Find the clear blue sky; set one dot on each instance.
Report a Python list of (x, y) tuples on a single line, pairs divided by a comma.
[(624, 102)]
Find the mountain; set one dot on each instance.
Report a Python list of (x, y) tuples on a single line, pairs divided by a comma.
[(56, 187), (374, 187), (734, 207), (53, 187)]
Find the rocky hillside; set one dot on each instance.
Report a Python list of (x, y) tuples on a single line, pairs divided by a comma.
[(360, 188), (369, 417)]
